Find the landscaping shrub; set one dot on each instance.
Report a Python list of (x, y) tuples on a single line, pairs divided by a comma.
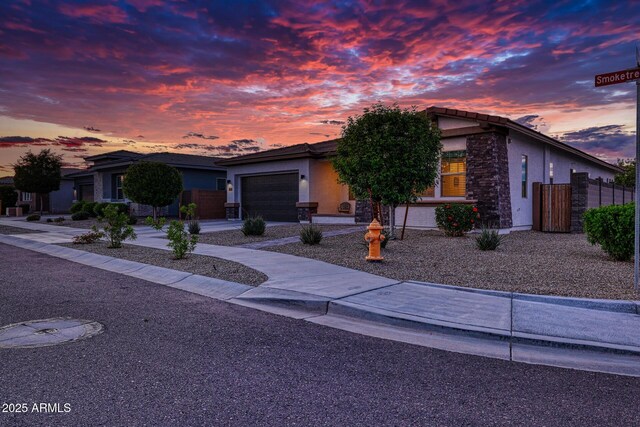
[(33, 217), (155, 223), (117, 229), (310, 235), (456, 219), (8, 197), (488, 240), (133, 220), (98, 209), (122, 207), (89, 208), (612, 227), (180, 242), (254, 226), (49, 219), (77, 206), (194, 227), (89, 237), (80, 216), (59, 219)]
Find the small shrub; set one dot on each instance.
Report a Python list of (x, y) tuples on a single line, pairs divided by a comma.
[(254, 226), (89, 237), (194, 227), (310, 235), (33, 217), (157, 223), (456, 219), (121, 207), (89, 208), (79, 216), (133, 220), (49, 219), (59, 219), (612, 227), (180, 242), (488, 240), (77, 206), (98, 209), (117, 229)]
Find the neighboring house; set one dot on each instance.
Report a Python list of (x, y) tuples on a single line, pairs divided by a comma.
[(56, 202), (486, 160), (102, 181)]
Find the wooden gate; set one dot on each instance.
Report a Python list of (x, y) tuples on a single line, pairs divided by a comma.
[(552, 207)]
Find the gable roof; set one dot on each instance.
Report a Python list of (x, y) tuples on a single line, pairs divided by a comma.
[(125, 158), (317, 150), (486, 120)]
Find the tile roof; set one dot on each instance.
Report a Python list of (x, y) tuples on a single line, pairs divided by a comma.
[(319, 149)]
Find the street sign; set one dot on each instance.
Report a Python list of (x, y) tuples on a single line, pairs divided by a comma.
[(612, 79), (617, 77)]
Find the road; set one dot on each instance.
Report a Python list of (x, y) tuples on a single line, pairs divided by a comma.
[(168, 357)]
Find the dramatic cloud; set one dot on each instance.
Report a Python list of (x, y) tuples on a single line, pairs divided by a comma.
[(606, 140), (244, 142), (199, 135), (65, 141), (279, 70), (22, 141)]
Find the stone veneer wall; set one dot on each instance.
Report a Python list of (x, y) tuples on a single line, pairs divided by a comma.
[(364, 213), (488, 178), (97, 187), (232, 210)]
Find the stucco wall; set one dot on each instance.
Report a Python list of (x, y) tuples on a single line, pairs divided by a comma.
[(324, 187), (451, 123), (60, 201)]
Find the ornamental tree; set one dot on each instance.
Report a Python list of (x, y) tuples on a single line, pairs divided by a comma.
[(628, 175), (152, 183), (388, 155), (38, 173)]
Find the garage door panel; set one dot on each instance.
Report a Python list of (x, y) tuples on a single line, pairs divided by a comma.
[(273, 197)]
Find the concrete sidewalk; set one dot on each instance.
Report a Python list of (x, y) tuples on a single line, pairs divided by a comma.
[(598, 335)]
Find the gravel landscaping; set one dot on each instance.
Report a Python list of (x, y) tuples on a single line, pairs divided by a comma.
[(527, 262), (197, 264), (6, 229), (236, 238)]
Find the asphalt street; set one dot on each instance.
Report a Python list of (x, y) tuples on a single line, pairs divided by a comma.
[(168, 357)]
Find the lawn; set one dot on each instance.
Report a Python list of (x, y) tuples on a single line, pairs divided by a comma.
[(527, 262)]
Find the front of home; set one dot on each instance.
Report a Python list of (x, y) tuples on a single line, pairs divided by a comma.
[(203, 179), (488, 161)]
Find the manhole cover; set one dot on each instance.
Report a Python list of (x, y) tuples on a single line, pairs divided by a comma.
[(42, 333)]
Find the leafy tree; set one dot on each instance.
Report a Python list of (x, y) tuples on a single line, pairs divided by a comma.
[(628, 176), (8, 196), (388, 155), (38, 173), (152, 183)]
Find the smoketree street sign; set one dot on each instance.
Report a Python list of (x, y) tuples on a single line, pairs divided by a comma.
[(617, 77), (612, 79)]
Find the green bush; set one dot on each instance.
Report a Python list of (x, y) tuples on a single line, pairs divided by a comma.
[(49, 219), (117, 228), (122, 207), (612, 227), (89, 208), (98, 209), (155, 223), (33, 217), (310, 235), (254, 226), (180, 242), (456, 219), (133, 220), (58, 219), (80, 216), (89, 237), (488, 240), (8, 197), (77, 206)]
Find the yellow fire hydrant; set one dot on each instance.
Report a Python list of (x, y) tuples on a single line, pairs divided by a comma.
[(374, 237)]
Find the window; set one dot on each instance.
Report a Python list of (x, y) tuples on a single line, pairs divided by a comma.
[(550, 172), (524, 176), (26, 197), (221, 184), (454, 173), (118, 179)]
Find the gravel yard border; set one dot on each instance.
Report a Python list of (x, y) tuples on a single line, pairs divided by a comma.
[(526, 262), (7, 229), (236, 238), (196, 264)]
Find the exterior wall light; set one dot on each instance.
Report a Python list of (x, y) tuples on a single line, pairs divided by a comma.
[(302, 177), (229, 186)]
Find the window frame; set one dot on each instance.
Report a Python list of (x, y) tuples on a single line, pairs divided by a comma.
[(524, 177), (222, 187), (454, 154), (118, 179), (26, 196)]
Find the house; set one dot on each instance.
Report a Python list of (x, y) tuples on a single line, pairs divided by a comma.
[(56, 202), (488, 161), (204, 180)]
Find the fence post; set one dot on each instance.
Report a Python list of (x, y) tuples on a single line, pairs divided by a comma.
[(579, 196)]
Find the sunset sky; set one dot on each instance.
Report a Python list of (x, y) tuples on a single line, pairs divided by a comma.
[(232, 77)]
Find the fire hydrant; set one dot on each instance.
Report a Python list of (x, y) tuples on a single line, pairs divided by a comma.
[(374, 237)]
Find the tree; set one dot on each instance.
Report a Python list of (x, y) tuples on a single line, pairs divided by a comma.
[(8, 196), (628, 176), (152, 183), (38, 173), (388, 155)]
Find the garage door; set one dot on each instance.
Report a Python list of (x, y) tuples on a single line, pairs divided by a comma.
[(273, 197)]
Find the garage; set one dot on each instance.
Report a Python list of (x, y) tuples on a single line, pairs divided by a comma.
[(273, 197)]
